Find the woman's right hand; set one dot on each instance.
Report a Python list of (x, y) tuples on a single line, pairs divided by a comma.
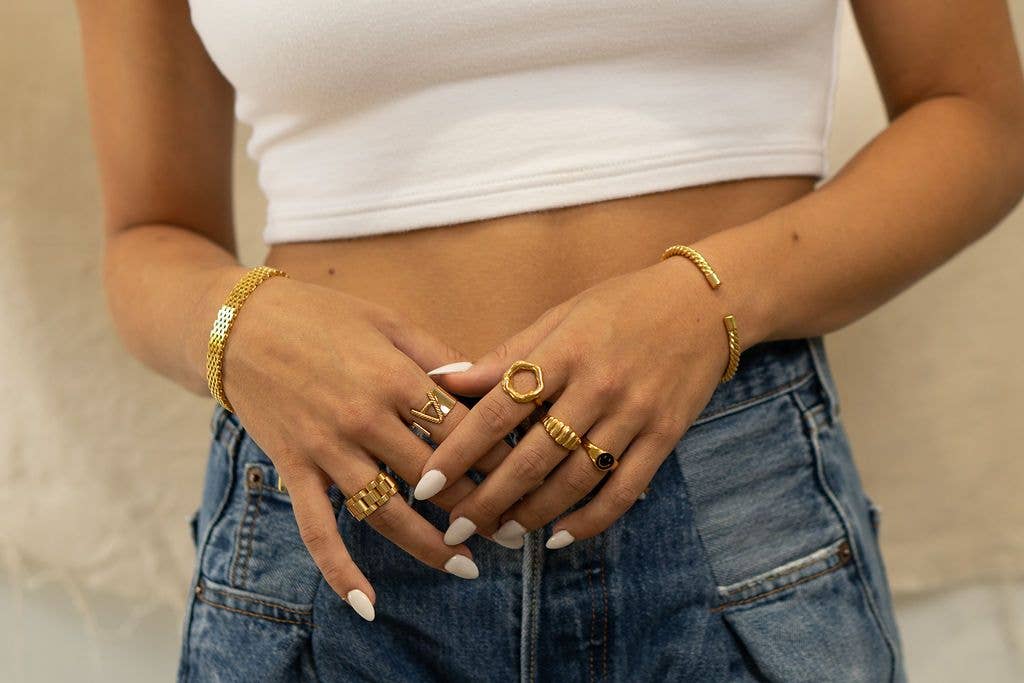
[(324, 382)]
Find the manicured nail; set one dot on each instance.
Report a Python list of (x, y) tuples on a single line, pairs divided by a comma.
[(559, 540), (509, 532), (462, 566), (460, 366), (429, 484), (515, 544), (459, 530), (361, 604)]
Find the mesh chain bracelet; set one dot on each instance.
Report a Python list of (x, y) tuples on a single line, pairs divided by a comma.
[(245, 286)]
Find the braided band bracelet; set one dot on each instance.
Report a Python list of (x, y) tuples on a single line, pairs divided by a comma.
[(730, 321), (245, 286)]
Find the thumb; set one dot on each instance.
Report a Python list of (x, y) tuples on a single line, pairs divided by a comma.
[(486, 372), (425, 348)]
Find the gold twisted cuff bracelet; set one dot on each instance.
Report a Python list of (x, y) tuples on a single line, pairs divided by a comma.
[(730, 321), (245, 286)]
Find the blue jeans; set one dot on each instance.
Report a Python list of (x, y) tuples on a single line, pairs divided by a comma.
[(753, 557)]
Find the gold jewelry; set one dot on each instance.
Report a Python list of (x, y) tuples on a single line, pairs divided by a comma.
[(367, 499), (602, 459), (698, 260), (245, 286), (562, 433), (418, 430), (439, 402), (518, 396), (734, 348), (715, 282)]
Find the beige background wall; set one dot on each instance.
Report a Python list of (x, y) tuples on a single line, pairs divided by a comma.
[(101, 461)]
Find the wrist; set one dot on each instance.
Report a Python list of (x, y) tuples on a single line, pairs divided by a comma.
[(215, 284), (743, 292)]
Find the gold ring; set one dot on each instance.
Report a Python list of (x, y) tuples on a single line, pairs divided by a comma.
[(367, 499), (602, 459), (562, 433), (439, 404), (518, 396)]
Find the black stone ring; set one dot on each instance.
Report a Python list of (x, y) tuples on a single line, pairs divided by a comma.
[(602, 459)]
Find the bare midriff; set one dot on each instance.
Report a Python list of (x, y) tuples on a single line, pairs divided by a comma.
[(476, 283)]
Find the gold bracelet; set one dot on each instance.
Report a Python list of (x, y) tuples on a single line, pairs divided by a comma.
[(730, 321), (222, 326)]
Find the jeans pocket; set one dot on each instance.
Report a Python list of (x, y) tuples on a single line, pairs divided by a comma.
[(809, 621), (757, 499), (253, 553), (778, 549)]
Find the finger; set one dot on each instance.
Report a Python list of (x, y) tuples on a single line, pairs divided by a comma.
[(318, 528), (432, 413), (493, 417), (396, 521), (406, 454), (618, 493), (487, 370), (533, 458), (576, 476), (426, 349)]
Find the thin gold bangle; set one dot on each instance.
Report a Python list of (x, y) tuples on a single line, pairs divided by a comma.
[(245, 286), (730, 321)]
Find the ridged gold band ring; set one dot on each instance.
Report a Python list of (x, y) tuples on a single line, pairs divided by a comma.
[(562, 433)]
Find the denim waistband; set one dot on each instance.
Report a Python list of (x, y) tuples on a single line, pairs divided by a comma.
[(771, 368), (766, 369)]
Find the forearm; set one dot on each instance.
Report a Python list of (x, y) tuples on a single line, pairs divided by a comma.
[(937, 178), (164, 285)]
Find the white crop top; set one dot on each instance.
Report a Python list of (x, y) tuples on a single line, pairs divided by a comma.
[(375, 116)]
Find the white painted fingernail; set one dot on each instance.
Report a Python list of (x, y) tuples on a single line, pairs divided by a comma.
[(509, 532), (515, 544), (428, 485), (459, 530), (462, 566), (560, 540), (361, 604), (460, 366)]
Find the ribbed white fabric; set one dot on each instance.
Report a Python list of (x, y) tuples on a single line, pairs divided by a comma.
[(372, 117)]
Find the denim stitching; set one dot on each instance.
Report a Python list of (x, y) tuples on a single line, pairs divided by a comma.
[(244, 538), (590, 648), (813, 431), (816, 345), (251, 539), (604, 601), (207, 589), (230, 453), (534, 593), (822, 555), (253, 614), (760, 398), (844, 559)]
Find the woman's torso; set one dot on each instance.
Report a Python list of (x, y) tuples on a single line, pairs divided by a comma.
[(472, 164), (476, 283)]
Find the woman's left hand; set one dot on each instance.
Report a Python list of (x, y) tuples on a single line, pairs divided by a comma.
[(628, 364)]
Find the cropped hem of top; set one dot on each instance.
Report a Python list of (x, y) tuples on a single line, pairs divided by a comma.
[(394, 212), (371, 118)]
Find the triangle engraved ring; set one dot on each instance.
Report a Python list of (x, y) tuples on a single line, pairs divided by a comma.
[(439, 404)]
